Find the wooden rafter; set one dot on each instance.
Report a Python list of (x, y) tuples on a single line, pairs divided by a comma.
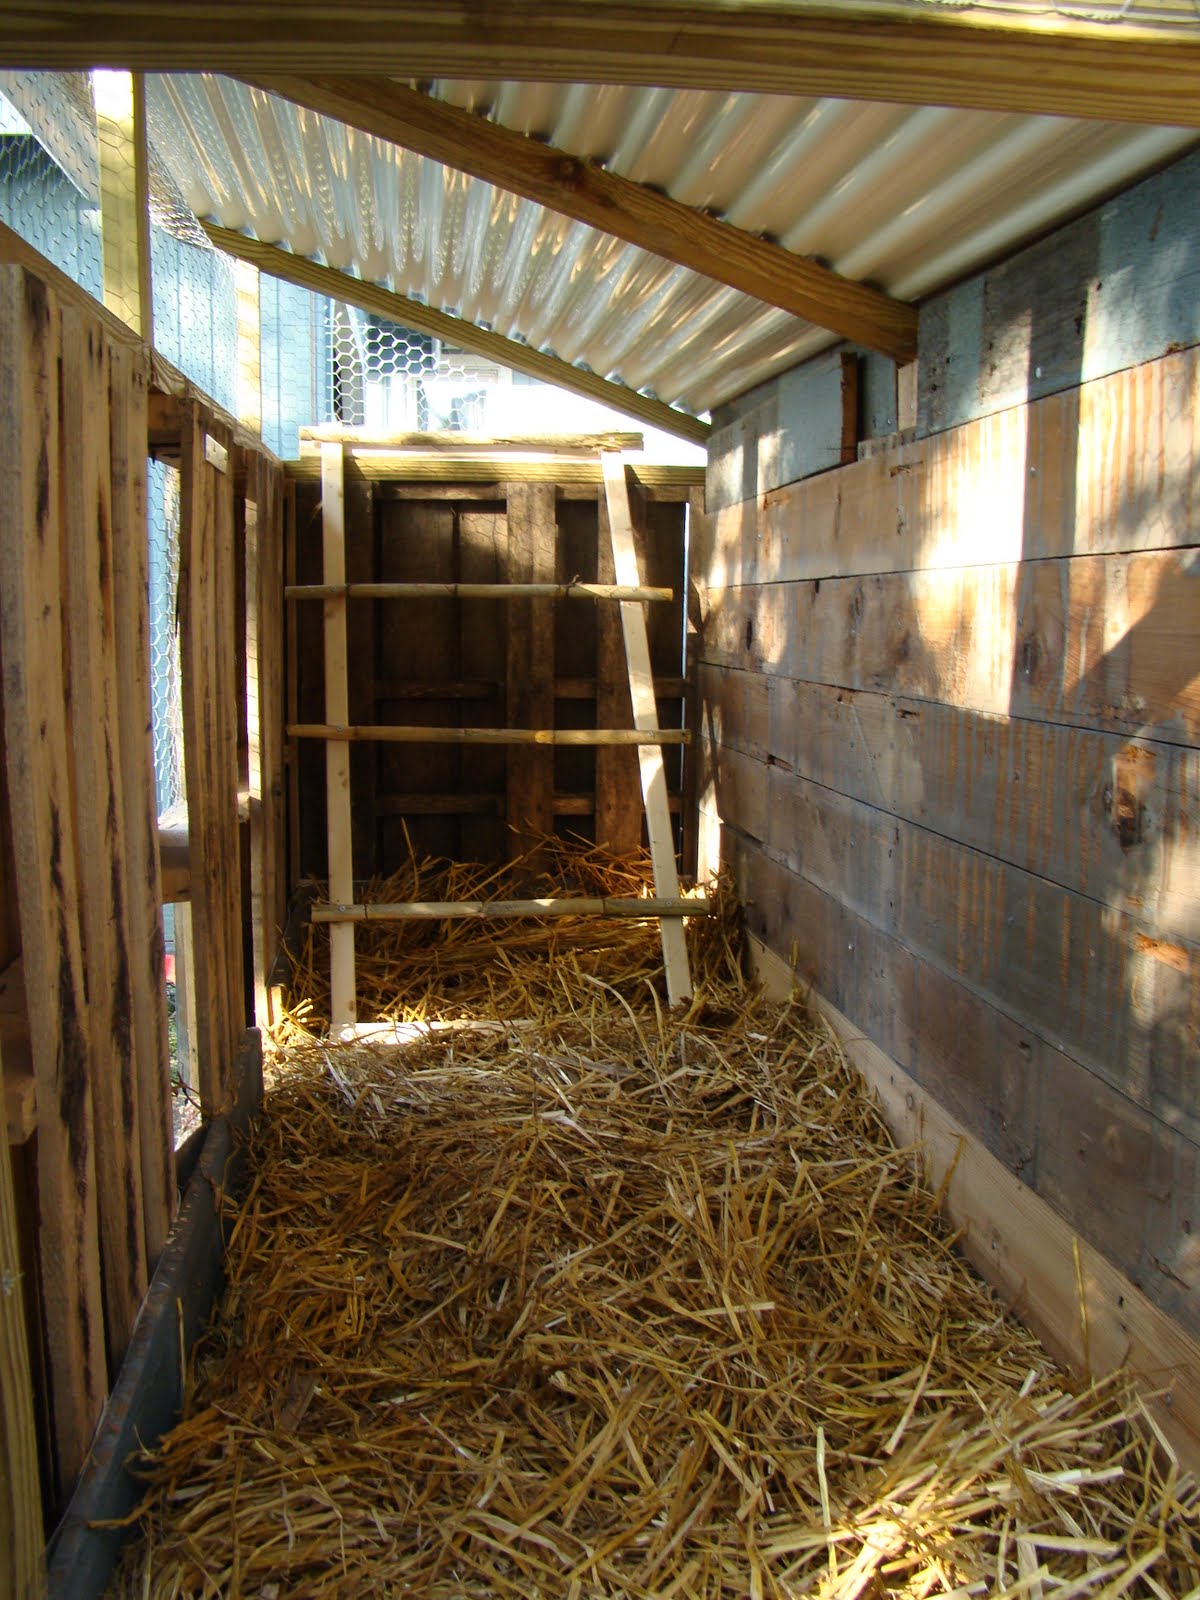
[(456, 330), (586, 192), (989, 61)]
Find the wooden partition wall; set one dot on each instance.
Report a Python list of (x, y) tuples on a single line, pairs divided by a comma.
[(482, 663), (87, 1182), (951, 744)]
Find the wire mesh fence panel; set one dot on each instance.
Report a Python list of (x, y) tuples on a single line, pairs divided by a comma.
[(49, 170)]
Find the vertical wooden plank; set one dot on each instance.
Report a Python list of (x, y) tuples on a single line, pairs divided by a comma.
[(229, 638), (532, 535), (39, 782), (483, 624), (361, 560), (645, 717), (187, 1044), (124, 192), (99, 814), (22, 1564), (264, 712), (255, 672), (344, 1001), (147, 946), (618, 814), (204, 708), (249, 346)]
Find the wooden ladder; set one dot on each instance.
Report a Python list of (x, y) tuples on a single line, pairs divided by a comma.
[(340, 911)]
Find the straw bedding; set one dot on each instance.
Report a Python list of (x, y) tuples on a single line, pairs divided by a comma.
[(570, 1296)]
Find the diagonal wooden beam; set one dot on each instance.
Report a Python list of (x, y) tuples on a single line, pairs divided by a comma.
[(985, 61), (616, 205), (408, 313)]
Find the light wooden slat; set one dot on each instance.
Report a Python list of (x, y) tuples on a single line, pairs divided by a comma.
[(993, 62), (291, 641), (230, 640), (645, 716), (44, 853), (396, 734), (131, 556), (484, 910), (124, 194), (344, 1001), (454, 330), (581, 445), (100, 812), (401, 471), (22, 1563), (1021, 1245), (476, 591), (257, 515), (586, 192)]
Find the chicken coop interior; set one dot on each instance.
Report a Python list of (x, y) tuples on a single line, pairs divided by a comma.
[(600, 803)]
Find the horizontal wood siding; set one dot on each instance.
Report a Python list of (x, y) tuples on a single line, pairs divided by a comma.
[(949, 718)]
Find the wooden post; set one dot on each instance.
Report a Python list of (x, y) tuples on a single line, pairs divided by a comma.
[(22, 1564), (532, 537), (343, 998), (124, 194), (645, 718)]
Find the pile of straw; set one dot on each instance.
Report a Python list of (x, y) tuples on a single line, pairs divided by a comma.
[(574, 1297)]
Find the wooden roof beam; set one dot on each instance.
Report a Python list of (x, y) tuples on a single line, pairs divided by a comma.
[(586, 192), (408, 313), (988, 61)]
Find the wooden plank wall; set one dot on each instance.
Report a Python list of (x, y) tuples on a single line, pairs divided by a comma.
[(950, 718), (85, 996), (89, 1149), (481, 663)]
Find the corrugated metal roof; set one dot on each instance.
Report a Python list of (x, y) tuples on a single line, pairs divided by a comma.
[(908, 198)]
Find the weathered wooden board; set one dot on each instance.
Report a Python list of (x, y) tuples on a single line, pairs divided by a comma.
[(1021, 1245), (483, 542), (338, 818), (210, 729), (806, 424), (532, 543), (618, 796), (38, 760), (1104, 987), (147, 949), (1108, 468), (1115, 288), (94, 722), (1105, 642), (1008, 1086), (1108, 817), (22, 1564)]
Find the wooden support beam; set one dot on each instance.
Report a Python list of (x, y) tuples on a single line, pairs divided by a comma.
[(486, 910), (529, 696), (579, 445), (124, 198), (22, 1564), (995, 60), (630, 211), (340, 733), (343, 1000), (645, 715), (447, 476), (408, 313), (476, 591)]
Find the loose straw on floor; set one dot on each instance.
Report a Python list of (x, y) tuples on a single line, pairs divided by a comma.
[(571, 1296)]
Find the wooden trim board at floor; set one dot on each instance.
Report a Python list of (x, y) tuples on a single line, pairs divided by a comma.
[(1022, 1247)]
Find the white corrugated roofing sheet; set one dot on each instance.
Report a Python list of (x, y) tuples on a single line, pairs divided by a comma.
[(910, 199)]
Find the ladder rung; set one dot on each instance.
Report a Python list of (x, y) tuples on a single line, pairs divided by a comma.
[(476, 591), (389, 734), (568, 906)]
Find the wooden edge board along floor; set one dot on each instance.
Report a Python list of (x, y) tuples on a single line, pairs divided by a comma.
[(1021, 1246)]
